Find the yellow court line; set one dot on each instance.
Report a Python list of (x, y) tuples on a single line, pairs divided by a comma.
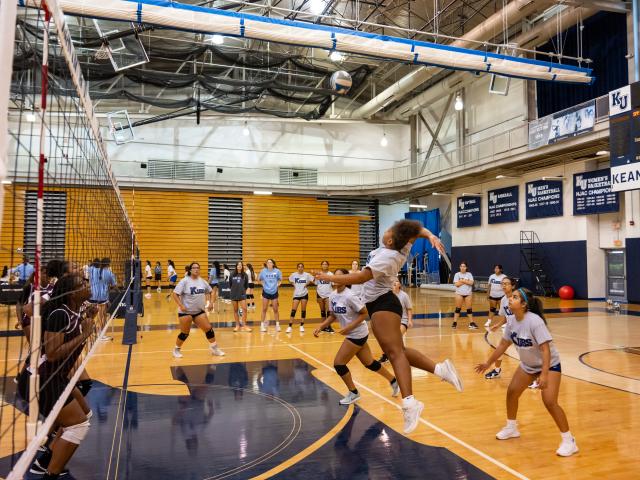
[(310, 449)]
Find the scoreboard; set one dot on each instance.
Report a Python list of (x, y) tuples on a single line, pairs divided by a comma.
[(624, 137)]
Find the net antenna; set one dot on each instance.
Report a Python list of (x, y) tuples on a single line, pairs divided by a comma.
[(122, 47), (120, 127)]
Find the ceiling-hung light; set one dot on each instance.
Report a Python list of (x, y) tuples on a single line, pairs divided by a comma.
[(458, 105), (262, 192), (317, 6), (336, 56), (245, 131), (30, 116), (417, 205), (601, 153), (383, 141), (217, 39)]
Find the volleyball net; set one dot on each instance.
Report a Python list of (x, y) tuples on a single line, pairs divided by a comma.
[(61, 212)]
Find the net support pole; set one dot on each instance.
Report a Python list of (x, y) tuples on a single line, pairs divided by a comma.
[(8, 9), (36, 322)]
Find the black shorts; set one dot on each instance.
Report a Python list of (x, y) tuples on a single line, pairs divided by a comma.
[(241, 299), (50, 393), (251, 285), (554, 368), (358, 341), (194, 315), (98, 302), (149, 279), (213, 286), (463, 296), (158, 276), (270, 296), (496, 299), (304, 297), (387, 302)]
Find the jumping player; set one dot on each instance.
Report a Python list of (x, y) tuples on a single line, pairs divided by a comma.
[(406, 321)]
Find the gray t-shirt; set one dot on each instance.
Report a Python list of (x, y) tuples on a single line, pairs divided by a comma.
[(299, 282), (192, 293), (345, 307), (463, 289), (527, 335), (405, 301), (384, 263), (324, 287)]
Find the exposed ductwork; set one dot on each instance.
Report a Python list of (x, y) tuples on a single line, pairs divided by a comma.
[(488, 29), (538, 35)]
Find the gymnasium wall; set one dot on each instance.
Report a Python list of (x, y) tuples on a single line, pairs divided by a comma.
[(174, 224)]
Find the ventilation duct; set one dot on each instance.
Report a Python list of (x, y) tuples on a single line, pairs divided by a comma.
[(215, 21)]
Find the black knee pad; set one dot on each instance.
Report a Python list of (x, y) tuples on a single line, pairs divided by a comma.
[(183, 336), (469, 311), (341, 369), (458, 309), (210, 334), (323, 314), (250, 295), (303, 314), (374, 366), (293, 313), (493, 310), (84, 386)]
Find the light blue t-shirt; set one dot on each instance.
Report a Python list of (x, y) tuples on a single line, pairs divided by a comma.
[(270, 279), (23, 271), (100, 283), (213, 276)]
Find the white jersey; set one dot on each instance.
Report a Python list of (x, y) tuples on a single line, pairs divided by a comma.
[(357, 289), (147, 271), (527, 335), (324, 287), (250, 276), (505, 311), (299, 282), (405, 301), (384, 263), (463, 289), (495, 285), (346, 307), (171, 271)]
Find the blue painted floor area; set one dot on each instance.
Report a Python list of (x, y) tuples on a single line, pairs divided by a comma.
[(241, 420)]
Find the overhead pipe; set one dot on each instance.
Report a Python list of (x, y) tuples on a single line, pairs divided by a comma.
[(488, 29), (538, 35)]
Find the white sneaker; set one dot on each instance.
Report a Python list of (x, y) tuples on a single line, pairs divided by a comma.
[(263, 327), (411, 415), (301, 328), (177, 353), (216, 351), (395, 389), (508, 432), (350, 398), (487, 323), (534, 385), (277, 326), (158, 290), (288, 330), (567, 448), (447, 372)]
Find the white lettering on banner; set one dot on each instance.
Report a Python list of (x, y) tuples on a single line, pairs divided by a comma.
[(625, 177), (620, 100)]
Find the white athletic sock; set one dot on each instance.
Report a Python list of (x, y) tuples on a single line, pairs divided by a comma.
[(438, 370), (512, 423), (408, 401), (566, 436), (213, 345), (404, 339)]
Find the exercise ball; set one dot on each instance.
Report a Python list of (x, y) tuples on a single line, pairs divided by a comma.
[(341, 82), (566, 292)]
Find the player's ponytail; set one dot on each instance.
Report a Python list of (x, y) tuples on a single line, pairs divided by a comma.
[(534, 304)]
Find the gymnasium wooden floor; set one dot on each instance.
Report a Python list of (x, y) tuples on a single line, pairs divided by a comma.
[(268, 409)]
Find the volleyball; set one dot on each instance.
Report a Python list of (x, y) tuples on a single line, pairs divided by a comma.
[(341, 82)]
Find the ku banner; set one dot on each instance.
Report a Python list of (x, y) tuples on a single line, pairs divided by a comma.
[(624, 137), (544, 199), (504, 205), (469, 211), (592, 193)]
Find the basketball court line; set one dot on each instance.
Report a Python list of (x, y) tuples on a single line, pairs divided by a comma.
[(455, 439)]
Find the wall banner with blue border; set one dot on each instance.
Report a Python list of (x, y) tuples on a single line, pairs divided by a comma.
[(544, 199), (469, 211), (504, 205), (592, 193)]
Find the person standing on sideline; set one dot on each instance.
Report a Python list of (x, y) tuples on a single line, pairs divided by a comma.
[(239, 283), (148, 277), (172, 275), (495, 292), (157, 275), (385, 311), (192, 295), (23, 271), (463, 280), (406, 321), (270, 277), (528, 331), (300, 281), (251, 275), (214, 273), (101, 280)]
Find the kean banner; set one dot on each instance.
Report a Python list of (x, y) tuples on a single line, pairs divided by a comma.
[(592, 193), (544, 199), (504, 205), (469, 213)]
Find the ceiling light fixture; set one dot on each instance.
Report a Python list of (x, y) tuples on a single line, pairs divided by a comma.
[(30, 116), (383, 141), (217, 39), (245, 131), (417, 205), (552, 178), (317, 6), (262, 192), (601, 153), (465, 194), (336, 56), (459, 105)]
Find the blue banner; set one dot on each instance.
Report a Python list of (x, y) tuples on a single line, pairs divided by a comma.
[(592, 193), (544, 199), (469, 212), (504, 205)]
